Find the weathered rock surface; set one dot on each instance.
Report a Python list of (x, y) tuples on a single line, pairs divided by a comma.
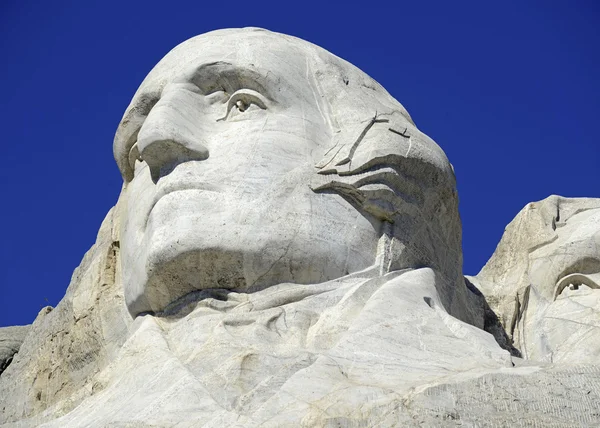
[(286, 252), (11, 339), (557, 396), (292, 355), (67, 345), (358, 351)]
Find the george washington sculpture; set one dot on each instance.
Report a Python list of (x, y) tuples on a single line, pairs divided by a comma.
[(252, 159), (286, 251)]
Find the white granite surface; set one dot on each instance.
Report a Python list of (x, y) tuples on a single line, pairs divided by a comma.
[(286, 251)]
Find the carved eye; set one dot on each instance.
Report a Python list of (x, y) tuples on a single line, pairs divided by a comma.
[(577, 282), (241, 106), (243, 102)]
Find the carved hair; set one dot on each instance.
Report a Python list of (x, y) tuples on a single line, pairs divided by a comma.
[(392, 173)]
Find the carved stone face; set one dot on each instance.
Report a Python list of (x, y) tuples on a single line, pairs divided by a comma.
[(543, 280), (561, 321), (218, 150)]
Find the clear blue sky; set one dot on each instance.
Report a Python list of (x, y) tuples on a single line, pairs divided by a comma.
[(510, 90)]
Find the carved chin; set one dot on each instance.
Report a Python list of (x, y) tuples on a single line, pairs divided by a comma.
[(242, 267), (170, 278)]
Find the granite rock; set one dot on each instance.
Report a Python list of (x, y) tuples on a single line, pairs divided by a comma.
[(542, 281), (11, 339), (286, 251), (67, 345)]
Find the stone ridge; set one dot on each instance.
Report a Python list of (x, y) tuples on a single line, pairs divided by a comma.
[(65, 346)]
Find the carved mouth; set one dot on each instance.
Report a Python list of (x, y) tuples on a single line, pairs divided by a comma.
[(174, 187)]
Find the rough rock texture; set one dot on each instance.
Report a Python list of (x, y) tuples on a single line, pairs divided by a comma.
[(292, 355), (11, 339), (555, 396), (67, 345)]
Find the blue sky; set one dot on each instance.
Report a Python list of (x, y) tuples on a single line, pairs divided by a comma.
[(509, 90)]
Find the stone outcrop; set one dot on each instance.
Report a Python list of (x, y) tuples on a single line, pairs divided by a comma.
[(67, 345), (348, 350)]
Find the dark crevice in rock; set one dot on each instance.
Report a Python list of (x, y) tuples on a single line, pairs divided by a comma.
[(11, 339), (5, 363), (492, 324)]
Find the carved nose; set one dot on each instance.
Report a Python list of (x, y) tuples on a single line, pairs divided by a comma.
[(171, 135), (163, 154)]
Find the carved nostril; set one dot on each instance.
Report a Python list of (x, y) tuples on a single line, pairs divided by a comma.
[(163, 156)]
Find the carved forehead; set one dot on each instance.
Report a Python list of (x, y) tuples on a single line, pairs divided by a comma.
[(252, 48), (277, 54), (346, 96)]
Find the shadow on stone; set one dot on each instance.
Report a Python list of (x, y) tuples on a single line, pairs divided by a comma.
[(492, 324)]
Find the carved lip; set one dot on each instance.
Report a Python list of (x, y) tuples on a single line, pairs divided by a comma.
[(174, 187)]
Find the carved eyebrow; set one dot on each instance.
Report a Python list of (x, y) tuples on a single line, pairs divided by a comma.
[(208, 77), (228, 77)]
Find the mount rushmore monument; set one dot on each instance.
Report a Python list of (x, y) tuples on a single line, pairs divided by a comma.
[(286, 251)]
